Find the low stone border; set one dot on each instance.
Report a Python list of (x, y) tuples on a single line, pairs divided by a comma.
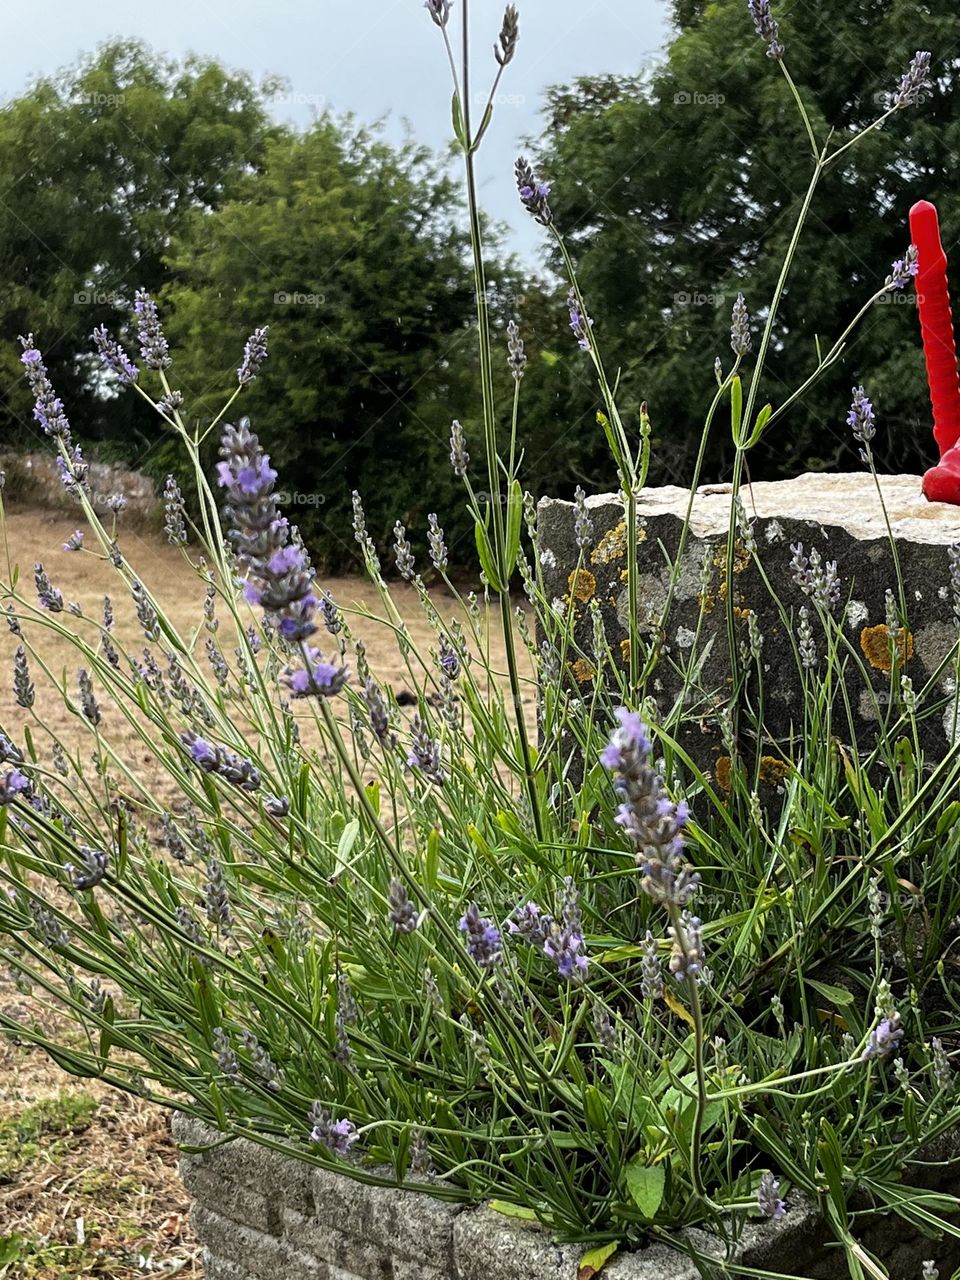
[(262, 1216)]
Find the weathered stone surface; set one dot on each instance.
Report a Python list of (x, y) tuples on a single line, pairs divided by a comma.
[(489, 1246), (839, 515)]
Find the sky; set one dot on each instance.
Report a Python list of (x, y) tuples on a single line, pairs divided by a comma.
[(382, 59)]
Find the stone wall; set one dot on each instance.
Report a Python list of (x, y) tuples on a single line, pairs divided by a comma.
[(842, 518), (32, 479), (262, 1216)]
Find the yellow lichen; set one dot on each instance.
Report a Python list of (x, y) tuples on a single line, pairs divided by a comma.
[(773, 770), (612, 545), (879, 646), (723, 772), (625, 651), (582, 585), (582, 670)]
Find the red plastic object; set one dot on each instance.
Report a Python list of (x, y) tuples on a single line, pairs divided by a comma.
[(942, 482)]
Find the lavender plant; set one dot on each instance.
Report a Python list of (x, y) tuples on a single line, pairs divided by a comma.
[(554, 963)]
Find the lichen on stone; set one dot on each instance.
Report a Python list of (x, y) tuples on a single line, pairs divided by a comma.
[(879, 646)]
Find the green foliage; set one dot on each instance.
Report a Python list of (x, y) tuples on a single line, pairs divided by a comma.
[(680, 188)]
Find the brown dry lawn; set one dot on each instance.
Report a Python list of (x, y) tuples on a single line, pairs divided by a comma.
[(88, 1181)]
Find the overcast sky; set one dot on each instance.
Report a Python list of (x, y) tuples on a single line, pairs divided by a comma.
[(380, 58)]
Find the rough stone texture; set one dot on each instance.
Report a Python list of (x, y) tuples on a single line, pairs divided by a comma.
[(344, 1230), (33, 478), (841, 516)]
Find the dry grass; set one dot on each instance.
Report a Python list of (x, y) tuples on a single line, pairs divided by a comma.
[(88, 1179)]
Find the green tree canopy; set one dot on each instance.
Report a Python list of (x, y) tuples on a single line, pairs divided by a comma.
[(679, 189), (100, 166)]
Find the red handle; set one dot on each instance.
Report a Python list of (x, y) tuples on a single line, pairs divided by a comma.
[(936, 325)]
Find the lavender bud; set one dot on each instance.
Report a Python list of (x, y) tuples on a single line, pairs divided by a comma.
[(153, 345), (516, 358), (336, 1135), (75, 541), (48, 407), (651, 981), (88, 702), (940, 1065), (402, 914), (915, 80), (114, 357), (146, 614), (883, 1039), (580, 322), (808, 652), (904, 269), (438, 548), (254, 354), (583, 528), (816, 579), (22, 684), (506, 45), (767, 28), (406, 566), (227, 1060), (48, 595), (173, 523), (459, 457), (686, 956), (604, 1029), (439, 11), (263, 1064), (214, 898), (861, 418), (740, 339), (13, 784), (93, 868), (424, 754)]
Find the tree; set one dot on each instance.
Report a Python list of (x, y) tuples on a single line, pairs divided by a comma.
[(99, 167), (354, 254), (678, 191)]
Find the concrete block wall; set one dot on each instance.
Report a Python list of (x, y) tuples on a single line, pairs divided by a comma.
[(261, 1216)]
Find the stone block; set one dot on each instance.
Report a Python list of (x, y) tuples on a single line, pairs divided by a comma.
[(417, 1227), (489, 1246), (244, 1162), (841, 517), (321, 1240), (408, 1269), (234, 1200)]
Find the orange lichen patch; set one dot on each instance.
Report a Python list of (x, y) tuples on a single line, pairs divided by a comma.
[(625, 651), (723, 772), (706, 601), (741, 613), (879, 647), (773, 770), (582, 670), (741, 561), (613, 544), (582, 584)]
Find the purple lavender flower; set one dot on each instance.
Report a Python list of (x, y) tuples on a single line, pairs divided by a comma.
[(817, 579), (459, 457), (564, 943), (686, 955), (580, 322), (883, 1039), (861, 419), (254, 354), (114, 357), (379, 715), (48, 407), (915, 80), (530, 924), (48, 595), (402, 914), (153, 345), (768, 1198), (12, 785), (483, 938), (651, 819), (9, 752), (280, 577), (904, 269), (424, 753), (318, 680), (23, 690), (72, 470), (651, 980), (338, 1136), (75, 541), (211, 758), (533, 193), (173, 522), (214, 897), (767, 28), (449, 659)]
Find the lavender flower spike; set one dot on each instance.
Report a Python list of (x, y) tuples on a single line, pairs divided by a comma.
[(767, 28), (13, 784), (915, 80), (439, 11), (533, 193), (48, 407), (861, 419), (254, 354), (338, 1136), (114, 357), (402, 913), (883, 1039), (768, 1198), (153, 345), (904, 269), (483, 938)]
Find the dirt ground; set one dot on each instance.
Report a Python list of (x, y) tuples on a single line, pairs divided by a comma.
[(88, 1180)]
